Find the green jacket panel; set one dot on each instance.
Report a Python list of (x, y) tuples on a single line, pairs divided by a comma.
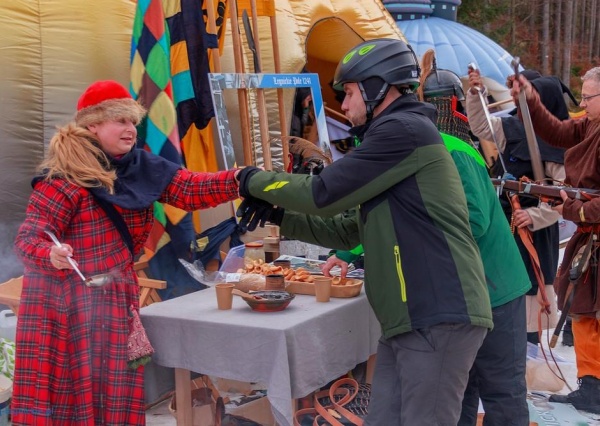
[(421, 262), (505, 272)]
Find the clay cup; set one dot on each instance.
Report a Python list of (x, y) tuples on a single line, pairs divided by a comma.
[(224, 295), (322, 288)]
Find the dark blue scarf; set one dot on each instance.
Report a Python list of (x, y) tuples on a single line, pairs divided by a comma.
[(141, 179)]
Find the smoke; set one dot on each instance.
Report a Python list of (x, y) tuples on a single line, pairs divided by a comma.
[(10, 265)]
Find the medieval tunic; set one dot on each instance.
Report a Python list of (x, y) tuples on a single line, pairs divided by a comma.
[(510, 135), (582, 138), (71, 363)]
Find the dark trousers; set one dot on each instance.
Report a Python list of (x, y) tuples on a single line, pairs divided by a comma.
[(420, 377), (498, 374)]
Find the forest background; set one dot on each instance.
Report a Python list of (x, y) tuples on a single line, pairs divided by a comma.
[(555, 37)]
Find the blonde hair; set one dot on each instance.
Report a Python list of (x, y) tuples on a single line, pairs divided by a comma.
[(74, 154), (427, 61)]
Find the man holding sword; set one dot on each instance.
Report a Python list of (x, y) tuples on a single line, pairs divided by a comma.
[(513, 154), (579, 297)]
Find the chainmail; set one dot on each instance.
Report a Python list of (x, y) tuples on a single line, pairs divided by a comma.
[(447, 121)]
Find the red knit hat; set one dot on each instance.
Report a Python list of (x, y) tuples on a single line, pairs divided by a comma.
[(101, 91), (107, 100)]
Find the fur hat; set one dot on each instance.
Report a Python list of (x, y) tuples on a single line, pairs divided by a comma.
[(107, 100)]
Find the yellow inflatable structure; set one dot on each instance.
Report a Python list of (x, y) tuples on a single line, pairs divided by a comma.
[(51, 50)]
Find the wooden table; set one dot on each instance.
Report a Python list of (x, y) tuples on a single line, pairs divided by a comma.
[(294, 352)]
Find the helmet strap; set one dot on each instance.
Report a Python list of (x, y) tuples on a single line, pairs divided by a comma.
[(371, 104)]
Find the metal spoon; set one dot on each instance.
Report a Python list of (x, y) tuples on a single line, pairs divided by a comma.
[(94, 281)]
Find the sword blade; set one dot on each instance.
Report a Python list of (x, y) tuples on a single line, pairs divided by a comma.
[(534, 149)]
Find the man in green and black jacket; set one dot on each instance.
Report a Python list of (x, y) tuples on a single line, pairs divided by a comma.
[(424, 275)]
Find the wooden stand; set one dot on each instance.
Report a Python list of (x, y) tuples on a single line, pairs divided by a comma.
[(148, 286), (258, 8)]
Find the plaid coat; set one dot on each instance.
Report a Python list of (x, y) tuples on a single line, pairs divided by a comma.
[(71, 359)]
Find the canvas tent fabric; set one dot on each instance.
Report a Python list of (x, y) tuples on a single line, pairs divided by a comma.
[(456, 46)]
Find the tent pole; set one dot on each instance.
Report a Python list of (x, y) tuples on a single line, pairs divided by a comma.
[(260, 95), (242, 93), (212, 29), (280, 100)]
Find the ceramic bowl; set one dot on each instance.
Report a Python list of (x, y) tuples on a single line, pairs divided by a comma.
[(272, 300)]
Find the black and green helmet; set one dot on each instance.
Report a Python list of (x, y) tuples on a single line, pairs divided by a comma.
[(376, 66), (442, 83), (392, 60)]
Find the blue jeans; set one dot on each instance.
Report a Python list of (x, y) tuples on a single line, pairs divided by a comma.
[(498, 374)]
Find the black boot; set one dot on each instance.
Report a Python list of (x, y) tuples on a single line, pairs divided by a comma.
[(586, 398), (567, 333)]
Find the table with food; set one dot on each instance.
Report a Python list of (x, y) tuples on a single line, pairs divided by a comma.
[(294, 350)]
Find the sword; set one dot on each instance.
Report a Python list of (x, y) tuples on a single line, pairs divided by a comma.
[(534, 149), (473, 67), (251, 42)]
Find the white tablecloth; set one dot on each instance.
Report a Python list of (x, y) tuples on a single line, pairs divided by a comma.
[(293, 352)]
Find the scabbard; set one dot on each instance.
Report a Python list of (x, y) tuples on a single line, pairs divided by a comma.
[(580, 264)]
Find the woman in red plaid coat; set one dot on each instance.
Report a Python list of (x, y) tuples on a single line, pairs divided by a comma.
[(72, 340)]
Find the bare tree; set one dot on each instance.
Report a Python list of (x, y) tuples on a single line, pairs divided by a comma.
[(568, 45), (487, 27), (596, 24), (592, 28), (581, 30), (513, 23), (546, 42), (575, 24), (533, 16), (557, 37)]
